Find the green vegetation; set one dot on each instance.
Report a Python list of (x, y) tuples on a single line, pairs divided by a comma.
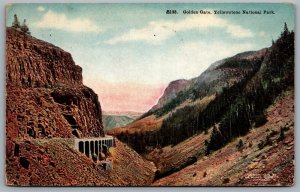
[(16, 24), (113, 121), (237, 107), (24, 28), (240, 144), (277, 75)]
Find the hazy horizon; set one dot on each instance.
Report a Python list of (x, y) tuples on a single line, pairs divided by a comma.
[(130, 52)]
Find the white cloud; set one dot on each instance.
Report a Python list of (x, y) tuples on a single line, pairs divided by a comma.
[(187, 60), (61, 22), (238, 31), (41, 8), (154, 33), (157, 31), (192, 58), (262, 33)]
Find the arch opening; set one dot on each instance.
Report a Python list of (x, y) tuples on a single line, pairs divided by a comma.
[(81, 146), (96, 148), (87, 148), (92, 147)]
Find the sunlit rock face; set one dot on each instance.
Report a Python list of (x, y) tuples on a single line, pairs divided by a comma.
[(45, 94)]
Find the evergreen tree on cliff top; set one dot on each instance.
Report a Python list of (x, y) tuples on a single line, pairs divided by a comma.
[(16, 23), (24, 27)]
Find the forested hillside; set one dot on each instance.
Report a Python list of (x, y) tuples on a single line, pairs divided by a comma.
[(248, 84)]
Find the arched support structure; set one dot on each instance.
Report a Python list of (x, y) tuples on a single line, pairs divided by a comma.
[(90, 146)]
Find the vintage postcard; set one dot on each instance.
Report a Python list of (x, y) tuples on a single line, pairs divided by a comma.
[(150, 94)]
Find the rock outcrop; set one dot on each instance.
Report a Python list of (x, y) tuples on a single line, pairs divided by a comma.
[(53, 162), (46, 106), (35, 63), (45, 94), (171, 92)]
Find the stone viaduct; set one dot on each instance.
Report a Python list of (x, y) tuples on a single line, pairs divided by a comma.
[(90, 146)]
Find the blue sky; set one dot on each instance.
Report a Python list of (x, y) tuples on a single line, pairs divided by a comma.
[(139, 44)]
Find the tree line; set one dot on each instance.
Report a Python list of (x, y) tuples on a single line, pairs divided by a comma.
[(16, 24), (237, 108)]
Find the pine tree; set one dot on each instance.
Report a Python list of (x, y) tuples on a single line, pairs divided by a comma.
[(16, 23), (24, 27), (285, 30)]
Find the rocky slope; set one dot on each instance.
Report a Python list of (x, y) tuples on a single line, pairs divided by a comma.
[(45, 94), (261, 160), (46, 107), (171, 159), (54, 162)]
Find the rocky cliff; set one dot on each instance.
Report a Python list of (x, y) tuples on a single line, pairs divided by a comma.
[(34, 63), (45, 94), (171, 92), (46, 106)]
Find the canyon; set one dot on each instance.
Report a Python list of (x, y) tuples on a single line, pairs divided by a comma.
[(233, 125)]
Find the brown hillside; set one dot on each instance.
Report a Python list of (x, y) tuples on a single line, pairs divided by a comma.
[(149, 123), (270, 164), (53, 162), (173, 158)]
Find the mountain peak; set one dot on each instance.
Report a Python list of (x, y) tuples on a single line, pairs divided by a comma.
[(171, 92)]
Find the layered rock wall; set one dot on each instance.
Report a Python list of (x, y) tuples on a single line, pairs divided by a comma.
[(45, 94), (34, 63)]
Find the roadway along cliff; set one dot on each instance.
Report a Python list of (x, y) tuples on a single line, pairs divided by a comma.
[(46, 106)]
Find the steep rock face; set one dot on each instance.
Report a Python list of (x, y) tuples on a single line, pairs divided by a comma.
[(45, 94), (34, 63), (47, 105), (171, 92)]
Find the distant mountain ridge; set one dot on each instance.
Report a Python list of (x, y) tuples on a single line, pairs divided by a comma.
[(113, 121), (244, 84), (211, 81), (133, 114), (194, 94), (171, 92)]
